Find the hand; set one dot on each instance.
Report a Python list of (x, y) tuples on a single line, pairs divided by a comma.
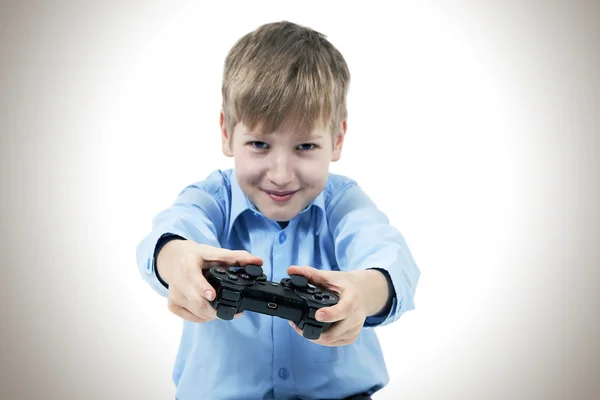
[(351, 311), (181, 263)]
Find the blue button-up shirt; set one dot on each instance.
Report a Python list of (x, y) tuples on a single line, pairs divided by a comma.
[(259, 356)]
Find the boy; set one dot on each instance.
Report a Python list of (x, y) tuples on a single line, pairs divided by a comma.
[(283, 120)]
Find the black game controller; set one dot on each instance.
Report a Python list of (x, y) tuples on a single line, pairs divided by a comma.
[(247, 288)]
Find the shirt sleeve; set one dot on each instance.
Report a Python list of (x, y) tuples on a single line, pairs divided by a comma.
[(197, 214), (364, 239)]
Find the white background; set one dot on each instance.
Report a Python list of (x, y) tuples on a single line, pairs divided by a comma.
[(472, 127)]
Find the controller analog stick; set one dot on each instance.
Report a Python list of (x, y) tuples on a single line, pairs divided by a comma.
[(253, 270), (299, 281)]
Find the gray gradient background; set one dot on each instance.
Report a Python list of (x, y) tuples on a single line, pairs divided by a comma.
[(500, 206)]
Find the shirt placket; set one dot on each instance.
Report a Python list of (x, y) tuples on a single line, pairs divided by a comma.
[(283, 374)]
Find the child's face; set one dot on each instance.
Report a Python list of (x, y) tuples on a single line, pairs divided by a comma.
[(282, 172)]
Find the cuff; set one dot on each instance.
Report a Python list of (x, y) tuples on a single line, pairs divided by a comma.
[(378, 319), (162, 241)]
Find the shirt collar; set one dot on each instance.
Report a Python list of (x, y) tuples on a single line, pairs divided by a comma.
[(241, 203)]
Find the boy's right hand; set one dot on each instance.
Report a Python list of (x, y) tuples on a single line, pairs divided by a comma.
[(180, 264)]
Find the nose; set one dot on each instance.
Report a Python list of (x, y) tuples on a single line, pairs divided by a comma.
[(280, 172)]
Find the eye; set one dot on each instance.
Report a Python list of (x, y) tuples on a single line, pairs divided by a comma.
[(307, 146), (259, 145)]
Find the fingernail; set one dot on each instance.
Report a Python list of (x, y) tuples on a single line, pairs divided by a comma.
[(320, 316), (208, 294)]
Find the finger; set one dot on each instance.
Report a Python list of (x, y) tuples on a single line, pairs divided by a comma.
[(338, 335), (202, 308), (185, 313), (194, 286), (342, 310), (328, 338), (241, 257), (345, 338), (341, 331), (298, 330), (324, 339), (191, 297), (315, 276)]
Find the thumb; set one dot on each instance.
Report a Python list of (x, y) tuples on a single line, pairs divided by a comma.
[(315, 276), (242, 257)]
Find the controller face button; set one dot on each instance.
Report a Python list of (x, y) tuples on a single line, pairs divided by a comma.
[(220, 270), (245, 276), (232, 277), (234, 270), (310, 291), (318, 297), (231, 295), (274, 284), (326, 296)]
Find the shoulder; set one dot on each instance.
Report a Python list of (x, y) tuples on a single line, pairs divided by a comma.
[(217, 185), (214, 182), (336, 186)]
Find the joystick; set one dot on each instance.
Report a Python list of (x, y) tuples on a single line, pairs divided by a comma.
[(247, 288)]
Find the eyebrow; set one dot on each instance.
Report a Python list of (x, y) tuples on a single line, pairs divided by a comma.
[(301, 138)]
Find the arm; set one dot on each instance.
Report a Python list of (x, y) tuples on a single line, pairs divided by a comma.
[(365, 242), (195, 215)]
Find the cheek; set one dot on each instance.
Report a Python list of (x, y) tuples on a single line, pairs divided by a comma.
[(315, 173), (248, 169)]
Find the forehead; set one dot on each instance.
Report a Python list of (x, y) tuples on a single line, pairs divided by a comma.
[(288, 131)]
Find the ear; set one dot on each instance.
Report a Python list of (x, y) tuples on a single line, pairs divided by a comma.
[(338, 141), (225, 137)]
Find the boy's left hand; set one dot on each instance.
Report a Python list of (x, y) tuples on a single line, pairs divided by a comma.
[(351, 311)]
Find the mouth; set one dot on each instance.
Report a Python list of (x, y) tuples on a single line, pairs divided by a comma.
[(280, 196)]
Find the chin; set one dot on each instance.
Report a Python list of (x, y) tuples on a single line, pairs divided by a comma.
[(281, 217)]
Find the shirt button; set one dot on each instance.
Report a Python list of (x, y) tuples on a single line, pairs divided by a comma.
[(282, 237), (283, 373)]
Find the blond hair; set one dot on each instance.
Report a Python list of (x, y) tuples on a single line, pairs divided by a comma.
[(283, 75)]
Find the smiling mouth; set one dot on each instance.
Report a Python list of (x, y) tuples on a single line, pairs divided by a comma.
[(280, 196)]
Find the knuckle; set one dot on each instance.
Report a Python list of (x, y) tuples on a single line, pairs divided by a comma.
[(194, 297)]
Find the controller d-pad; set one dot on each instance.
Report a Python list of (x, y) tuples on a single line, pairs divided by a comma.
[(318, 296)]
